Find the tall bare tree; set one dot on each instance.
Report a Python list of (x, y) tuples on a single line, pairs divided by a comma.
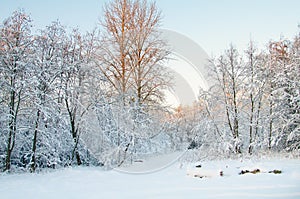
[(46, 69), (147, 54), (15, 50), (277, 60), (229, 73), (285, 93), (77, 87), (255, 84), (133, 50)]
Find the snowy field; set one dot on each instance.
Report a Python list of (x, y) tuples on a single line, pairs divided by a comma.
[(175, 181)]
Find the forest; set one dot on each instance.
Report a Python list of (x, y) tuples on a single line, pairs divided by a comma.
[(97, 98)]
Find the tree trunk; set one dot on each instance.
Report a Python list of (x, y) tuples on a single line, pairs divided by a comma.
[(250, 148), (270, 126), (75, 136), (235, 106), (251, 125), (75, 149), (12, 128), (33, 158)]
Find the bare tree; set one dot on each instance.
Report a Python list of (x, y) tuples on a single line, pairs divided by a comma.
[(46, 69), (284, 94), (229, 73), (133, 51), (255, 84), (15, 49), (277, 59), (76, 85), (131, 59), (147, 54), (113, 56)]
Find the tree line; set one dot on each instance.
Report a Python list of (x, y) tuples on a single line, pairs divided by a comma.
[(59, 88), (69, 98), (254, 104)]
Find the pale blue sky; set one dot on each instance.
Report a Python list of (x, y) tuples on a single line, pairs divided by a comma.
[(213, 24)]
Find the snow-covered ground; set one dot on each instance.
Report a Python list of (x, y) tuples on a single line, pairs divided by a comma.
[(171, 182)]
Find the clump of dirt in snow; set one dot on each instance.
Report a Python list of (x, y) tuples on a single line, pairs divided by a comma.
[(275, 171), (255, 171)]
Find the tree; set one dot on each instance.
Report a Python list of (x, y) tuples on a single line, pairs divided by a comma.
[(147, 55), (77, 82), (130, 59), (15, 50), (293, 120), (133, 51), (285, 93), (229, 73), (255, 83), (45, 71)]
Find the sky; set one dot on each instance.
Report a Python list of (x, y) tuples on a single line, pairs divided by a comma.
[(213, 24)]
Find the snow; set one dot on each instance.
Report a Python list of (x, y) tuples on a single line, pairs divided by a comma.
[(172, 181), (152, 164)]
